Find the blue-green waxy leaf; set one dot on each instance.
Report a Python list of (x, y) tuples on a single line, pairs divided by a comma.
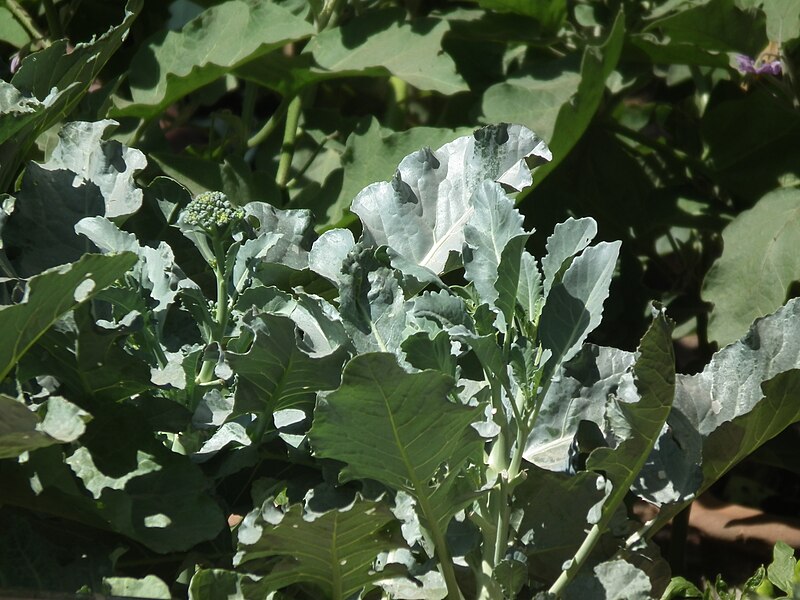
[(640, 409), (387, 42), (109, 165), (494, 241), (84, 177), (275, 369), (58, 77), (611, 580), (422, 212), (371, 302), (578, 394), (210, 584), (335, 550), (400, 429), (52, 294), (574, 306), (373, 155), (329, 252), (568, 239), (156, 270), (220, 39), (529, 291), (149, 586)]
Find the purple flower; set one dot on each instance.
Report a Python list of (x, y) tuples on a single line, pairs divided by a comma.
[(745, 64), (15, 62)]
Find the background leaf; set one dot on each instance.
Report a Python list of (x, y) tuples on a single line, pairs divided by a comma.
[(758, 255)]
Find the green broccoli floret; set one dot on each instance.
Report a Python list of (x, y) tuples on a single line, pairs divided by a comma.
[(212, 212)]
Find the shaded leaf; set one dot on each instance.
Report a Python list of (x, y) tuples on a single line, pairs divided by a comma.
[(758, 255), (574, 306), (380, 41), (334, 551), (50, 295), (220, 39), (275, 372)]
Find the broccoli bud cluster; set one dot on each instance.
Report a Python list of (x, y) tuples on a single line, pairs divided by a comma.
[(212, 211)]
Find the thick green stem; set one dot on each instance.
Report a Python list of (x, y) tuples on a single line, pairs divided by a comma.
[(615, 498), (21, 15), (395, 112), (289, 137), (222, 312), (260, 136), (442, 551)]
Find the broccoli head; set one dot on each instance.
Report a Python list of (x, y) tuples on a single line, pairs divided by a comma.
[(212, 212)]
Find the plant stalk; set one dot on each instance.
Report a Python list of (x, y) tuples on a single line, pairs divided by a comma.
[(222, 312), (26, 21), (271, 125), (289, 138)]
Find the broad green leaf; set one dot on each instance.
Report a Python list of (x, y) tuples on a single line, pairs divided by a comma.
[(717, 25), (149, 586), (576, 114), (574, 306), (18, 109), (783, 25), (550, 14), (759, 254), (568, 239), (494, 240), (400, 429), (52, 294), (554, 518), (21, 429), (211, 584), (223, 37), (334, 551), (373, 155), (59, 77), (11, 32), (781, 570), (140, 488), (40, 232), (381, 42), (274, 370), (421, 214), (534, 98)]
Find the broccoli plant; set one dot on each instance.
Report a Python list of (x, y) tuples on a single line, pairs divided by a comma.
[(212, 223), (416, 412)]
